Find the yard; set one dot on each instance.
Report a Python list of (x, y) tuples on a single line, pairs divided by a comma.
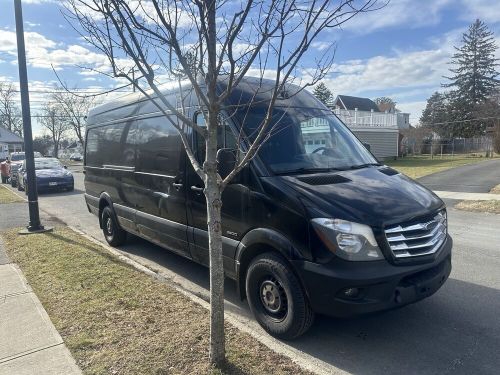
[(6, 196), (116, 320), (419, 166)]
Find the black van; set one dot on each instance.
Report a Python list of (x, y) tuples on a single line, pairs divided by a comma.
[(313, 225)]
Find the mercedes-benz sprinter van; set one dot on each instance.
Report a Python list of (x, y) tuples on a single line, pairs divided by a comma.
[(315, 224)]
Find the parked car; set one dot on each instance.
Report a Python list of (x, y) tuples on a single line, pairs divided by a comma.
[(13, 162), (76, 157), (306, 229), (50, 175)]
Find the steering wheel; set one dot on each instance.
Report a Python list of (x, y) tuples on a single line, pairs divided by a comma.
[(320, 149)]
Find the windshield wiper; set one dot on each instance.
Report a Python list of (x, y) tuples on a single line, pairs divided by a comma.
[(306, 170), (360, 166)]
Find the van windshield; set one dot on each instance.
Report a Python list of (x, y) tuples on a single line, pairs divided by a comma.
[(305, 140)]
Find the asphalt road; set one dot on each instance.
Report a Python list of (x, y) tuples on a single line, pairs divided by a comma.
[(456, 331), (472, 178)]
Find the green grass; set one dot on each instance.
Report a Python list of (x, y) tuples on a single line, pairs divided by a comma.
[(7, 196), (117, 320), (419, 166), (492, 206)]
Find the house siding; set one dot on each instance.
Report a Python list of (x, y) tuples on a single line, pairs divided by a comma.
[(383, 142)]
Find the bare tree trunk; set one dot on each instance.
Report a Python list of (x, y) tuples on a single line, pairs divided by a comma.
[(217, 344), (213, 197), (214, 205)]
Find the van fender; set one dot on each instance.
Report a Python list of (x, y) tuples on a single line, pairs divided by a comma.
[(258, 241)]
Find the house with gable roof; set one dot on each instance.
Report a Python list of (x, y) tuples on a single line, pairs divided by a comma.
[(9, 142)]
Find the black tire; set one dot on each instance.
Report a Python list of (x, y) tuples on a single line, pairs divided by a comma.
[(113, 233), (13, 183), (277, 298), (19, 188)]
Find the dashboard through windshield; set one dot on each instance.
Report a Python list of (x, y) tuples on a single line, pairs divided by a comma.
[(302, 140)]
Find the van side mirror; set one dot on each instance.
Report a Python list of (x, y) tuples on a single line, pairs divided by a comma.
[(367, 146), (226, 161)]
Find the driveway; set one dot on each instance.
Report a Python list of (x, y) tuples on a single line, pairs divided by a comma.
[(472, 178), (455, 331)]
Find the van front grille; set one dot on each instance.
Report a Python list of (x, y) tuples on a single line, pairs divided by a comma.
[(417, 238)]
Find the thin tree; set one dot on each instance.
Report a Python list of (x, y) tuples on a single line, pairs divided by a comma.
[(475, 65), (324, 94), (75, 108), (54, 121), (213, 44), (10, 114)]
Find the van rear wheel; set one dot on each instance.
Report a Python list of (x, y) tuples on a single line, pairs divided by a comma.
[(113, 233), (276, 298)]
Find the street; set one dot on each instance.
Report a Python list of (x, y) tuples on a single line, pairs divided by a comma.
[(455, 331)]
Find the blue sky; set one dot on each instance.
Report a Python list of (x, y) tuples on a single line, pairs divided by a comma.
[(400, 51)]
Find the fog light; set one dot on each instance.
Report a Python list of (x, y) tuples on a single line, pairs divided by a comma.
[(351, 292)]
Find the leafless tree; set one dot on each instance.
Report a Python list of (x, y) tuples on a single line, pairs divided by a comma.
[(55, 122), (10, 114), (213, 44), (75, 108)]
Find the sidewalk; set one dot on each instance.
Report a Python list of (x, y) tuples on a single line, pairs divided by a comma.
[(467, 196), (29, 343)]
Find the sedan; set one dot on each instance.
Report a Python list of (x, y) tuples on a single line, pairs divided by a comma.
[(50, 175)]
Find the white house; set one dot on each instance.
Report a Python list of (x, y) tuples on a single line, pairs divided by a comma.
[(381, 130), (9, 142)]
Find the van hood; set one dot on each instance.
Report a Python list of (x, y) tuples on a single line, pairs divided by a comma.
[(376, 196)]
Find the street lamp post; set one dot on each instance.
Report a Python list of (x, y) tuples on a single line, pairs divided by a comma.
[(34, 225)]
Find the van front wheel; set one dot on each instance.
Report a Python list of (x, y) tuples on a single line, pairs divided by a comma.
[(114, 235), (276, 298)]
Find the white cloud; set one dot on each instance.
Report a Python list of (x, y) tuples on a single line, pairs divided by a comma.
[(45, 53), (408, 13), (486, 10)]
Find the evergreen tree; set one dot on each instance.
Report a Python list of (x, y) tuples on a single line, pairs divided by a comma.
[(324, 94), (474, 74), (436, 114)]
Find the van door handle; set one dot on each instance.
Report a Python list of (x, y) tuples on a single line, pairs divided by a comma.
[(177, 185), (197, 189)]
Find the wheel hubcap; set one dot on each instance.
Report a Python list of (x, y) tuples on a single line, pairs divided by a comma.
[(273, 297), (109, 226)]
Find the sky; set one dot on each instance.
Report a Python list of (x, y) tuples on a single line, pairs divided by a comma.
[(401, 51)]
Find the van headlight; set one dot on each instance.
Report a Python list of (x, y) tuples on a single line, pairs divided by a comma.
[(348, 240)]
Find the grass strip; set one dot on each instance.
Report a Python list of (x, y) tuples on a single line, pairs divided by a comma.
[(495, 189), (7, 196), (492, 206), (117, 320), (419, 166)]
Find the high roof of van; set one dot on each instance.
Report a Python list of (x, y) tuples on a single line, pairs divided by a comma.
[(249, 90)]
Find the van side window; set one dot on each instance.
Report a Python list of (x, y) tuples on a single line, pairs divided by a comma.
[(225, 138), (111, 144), (159, 146)]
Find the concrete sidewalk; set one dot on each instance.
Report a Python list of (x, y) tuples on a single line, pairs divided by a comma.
[(467, 196), (29, 343)]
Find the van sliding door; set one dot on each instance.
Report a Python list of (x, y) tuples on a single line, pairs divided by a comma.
[(159, 176)]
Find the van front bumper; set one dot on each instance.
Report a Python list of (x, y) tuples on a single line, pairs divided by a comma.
[(344, 289)]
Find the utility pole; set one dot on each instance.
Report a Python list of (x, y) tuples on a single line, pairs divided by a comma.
[(34, 225)]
